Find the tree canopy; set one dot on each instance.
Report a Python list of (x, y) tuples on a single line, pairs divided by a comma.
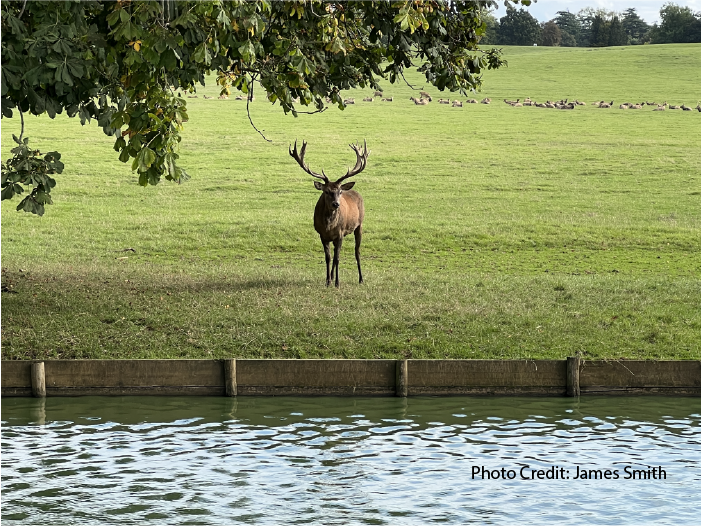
[(635, 26), (570, 26), (551, 35), (123, 63), (518, 28), (678, 24)]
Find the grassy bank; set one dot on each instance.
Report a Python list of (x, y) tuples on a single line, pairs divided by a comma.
[(490, 231)]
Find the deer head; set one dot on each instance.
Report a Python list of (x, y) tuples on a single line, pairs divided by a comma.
[(332, 190)]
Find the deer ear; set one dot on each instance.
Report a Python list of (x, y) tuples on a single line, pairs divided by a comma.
[(348, 186), (318, 185)]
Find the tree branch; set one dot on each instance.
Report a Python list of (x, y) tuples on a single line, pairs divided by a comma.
[(248, 109), (21, 118), (401, 72)]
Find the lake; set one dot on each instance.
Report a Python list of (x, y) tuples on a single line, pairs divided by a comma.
[(328, 460)]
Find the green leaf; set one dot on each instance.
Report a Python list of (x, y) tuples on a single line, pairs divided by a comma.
[(113, 18), (336, 46), (16, 24), (145, 159), (9, 191), (223, 18), (247, 51), (124, 155), (202, 54), (65, 76), (403, 20)]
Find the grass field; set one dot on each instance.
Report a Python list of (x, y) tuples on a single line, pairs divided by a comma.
[(490, 231)]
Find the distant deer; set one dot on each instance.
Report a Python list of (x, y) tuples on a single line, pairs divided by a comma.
[(339, 211), (457, 104), (378, 94)]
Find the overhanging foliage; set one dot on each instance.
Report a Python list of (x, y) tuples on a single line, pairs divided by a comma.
[(123, 63)]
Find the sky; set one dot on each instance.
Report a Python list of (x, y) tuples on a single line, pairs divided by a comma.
[(649, 10)]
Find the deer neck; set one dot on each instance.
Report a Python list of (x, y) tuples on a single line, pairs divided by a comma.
[(331, 216)]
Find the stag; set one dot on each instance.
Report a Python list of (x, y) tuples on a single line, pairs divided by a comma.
[(339, 210)]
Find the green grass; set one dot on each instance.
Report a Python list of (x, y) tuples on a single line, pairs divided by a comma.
[(490, 231)]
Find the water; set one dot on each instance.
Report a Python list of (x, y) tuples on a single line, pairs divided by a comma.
[(178, 460)]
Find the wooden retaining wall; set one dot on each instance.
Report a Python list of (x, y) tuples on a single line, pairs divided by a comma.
[(571, 377)]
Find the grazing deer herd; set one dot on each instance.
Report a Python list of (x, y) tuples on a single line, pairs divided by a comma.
[(425, 98)]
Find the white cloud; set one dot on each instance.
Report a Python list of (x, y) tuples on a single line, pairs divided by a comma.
[(649, 10)]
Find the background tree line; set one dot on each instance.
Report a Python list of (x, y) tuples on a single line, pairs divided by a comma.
[(594, 28)]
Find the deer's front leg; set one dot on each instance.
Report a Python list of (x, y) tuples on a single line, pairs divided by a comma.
[(327, 253), (337, 243)]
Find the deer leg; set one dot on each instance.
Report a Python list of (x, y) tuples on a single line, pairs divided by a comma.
[(327, 253), (358, 238), (337, 243)]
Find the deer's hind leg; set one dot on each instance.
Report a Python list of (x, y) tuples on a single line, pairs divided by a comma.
[(358, 238)]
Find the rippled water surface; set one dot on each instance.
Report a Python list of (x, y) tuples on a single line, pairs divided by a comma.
[(177, 460)]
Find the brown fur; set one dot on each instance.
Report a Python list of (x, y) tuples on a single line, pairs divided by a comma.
[(333, 224)]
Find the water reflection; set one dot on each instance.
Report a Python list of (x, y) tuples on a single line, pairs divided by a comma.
[(346, 460)]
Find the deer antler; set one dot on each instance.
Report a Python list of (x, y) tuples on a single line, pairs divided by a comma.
[(299, 157), (360, 163)]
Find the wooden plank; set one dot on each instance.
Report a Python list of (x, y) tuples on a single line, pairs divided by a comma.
[(351, 377), (271, 390), (133, 373), (606, 374), (16, 373), (662, 391), (150, 390), (486, 391), (315, 374), (487, 373), (16, 391)]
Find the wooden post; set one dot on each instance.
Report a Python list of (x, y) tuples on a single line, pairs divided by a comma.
[(38, 380), (401, 382), (573, 365), (230, 377)]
